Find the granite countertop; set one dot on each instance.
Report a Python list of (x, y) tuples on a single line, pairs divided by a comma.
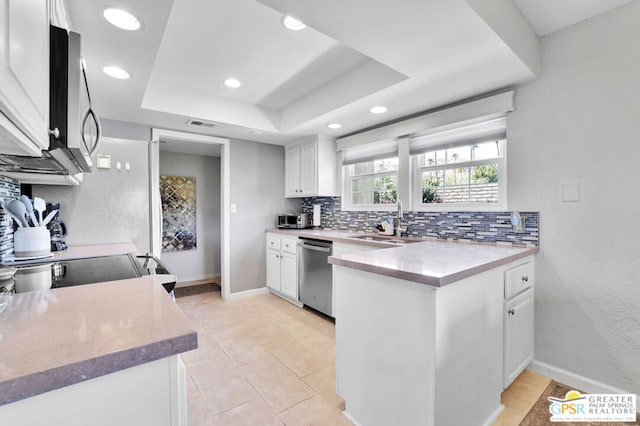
[(432, 262), (55, 338)]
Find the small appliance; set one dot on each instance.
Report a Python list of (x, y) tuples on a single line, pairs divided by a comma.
[(294, 221)]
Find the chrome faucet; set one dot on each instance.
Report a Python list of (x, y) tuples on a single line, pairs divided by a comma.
[(400, 215)]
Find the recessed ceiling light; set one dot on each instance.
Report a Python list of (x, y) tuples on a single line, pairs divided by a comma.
[(116, 72), (232, 82), (122, 19), (334, 125), (292, 23), (378, 109)]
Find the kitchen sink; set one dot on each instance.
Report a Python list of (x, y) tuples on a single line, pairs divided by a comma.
[(383, 239)]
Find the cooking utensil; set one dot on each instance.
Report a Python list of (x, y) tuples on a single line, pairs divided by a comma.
[(18, 209), (40, 206), (49, 217), (29, 205), (18, 222)]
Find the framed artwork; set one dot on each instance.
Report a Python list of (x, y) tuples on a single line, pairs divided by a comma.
[(178, 195)]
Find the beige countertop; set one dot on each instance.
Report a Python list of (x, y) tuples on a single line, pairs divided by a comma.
[(55, 338), (337, 236), (432, 262)]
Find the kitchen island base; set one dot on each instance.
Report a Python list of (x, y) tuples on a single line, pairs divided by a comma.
[(414, 354), (150, 394)]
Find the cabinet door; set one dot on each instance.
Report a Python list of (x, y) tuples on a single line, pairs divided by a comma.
[(292, 172), (518, 345), (24, 71), (273, 269), (308, 168), (289, 275)]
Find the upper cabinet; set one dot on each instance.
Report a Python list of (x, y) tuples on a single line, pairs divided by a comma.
[(310, 168), (24, 77)]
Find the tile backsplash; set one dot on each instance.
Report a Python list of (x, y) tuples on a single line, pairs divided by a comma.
[(9, 190), (486, 227)]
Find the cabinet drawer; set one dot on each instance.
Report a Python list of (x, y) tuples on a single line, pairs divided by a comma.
[(273, 242), (289, 246), (518, 279)]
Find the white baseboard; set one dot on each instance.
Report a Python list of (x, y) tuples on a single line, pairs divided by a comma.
[(183, 279), (248, 293), (494, 416), (298, 303), (351, 419), (576, 381)]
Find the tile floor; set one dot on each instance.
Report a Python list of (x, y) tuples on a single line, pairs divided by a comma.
[(260, 361), (264, 361)]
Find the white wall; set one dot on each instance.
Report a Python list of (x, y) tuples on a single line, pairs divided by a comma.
[(204, 262), (110, 206), (580, 122), (257, 189)]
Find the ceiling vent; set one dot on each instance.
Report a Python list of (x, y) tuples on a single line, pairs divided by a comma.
[(200, 123)]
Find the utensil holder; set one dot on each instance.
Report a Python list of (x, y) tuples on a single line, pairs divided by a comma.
[(31, 242)]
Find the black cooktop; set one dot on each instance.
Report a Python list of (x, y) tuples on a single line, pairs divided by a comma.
[(69, 273)]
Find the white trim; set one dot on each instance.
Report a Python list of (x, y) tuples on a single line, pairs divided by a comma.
[(248, 293), (576, 381), (491, 106), (494, 416), (298, 303), (225, 203), (351, 419)]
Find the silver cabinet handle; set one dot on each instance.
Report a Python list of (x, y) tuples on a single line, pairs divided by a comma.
[(525, 278), (55, 133), (511, 311)]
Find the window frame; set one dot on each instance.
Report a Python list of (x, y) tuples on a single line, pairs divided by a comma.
[(348, 177), (416, 183)]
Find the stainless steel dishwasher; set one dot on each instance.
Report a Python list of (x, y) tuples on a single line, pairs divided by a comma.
[(315, 275)]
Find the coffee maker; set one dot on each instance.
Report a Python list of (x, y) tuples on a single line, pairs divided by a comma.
[(57, 228)]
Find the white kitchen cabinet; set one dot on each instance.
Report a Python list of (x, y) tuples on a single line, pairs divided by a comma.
[(518, 321), (24, 76), (282, 266), (310, 168)]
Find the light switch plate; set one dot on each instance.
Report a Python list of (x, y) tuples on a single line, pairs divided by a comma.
[(570, 192), (234, 208), (103, 161)]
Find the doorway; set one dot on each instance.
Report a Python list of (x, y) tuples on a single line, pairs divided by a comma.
[(189, 143)]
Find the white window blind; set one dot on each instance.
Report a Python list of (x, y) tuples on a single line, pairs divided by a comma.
[(452, 136), (379, 150)]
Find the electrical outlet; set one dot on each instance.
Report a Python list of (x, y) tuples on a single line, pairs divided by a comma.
[(518, 222), (234, 208)]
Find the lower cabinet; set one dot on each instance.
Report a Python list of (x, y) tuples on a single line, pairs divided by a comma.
[(282, 265), (518, 321)]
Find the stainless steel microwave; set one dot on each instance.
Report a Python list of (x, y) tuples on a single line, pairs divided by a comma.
[(294, 221)]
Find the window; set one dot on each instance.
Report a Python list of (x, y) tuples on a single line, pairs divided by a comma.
[(464, 175), (451, 159), (373, 183), (460, 166)]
